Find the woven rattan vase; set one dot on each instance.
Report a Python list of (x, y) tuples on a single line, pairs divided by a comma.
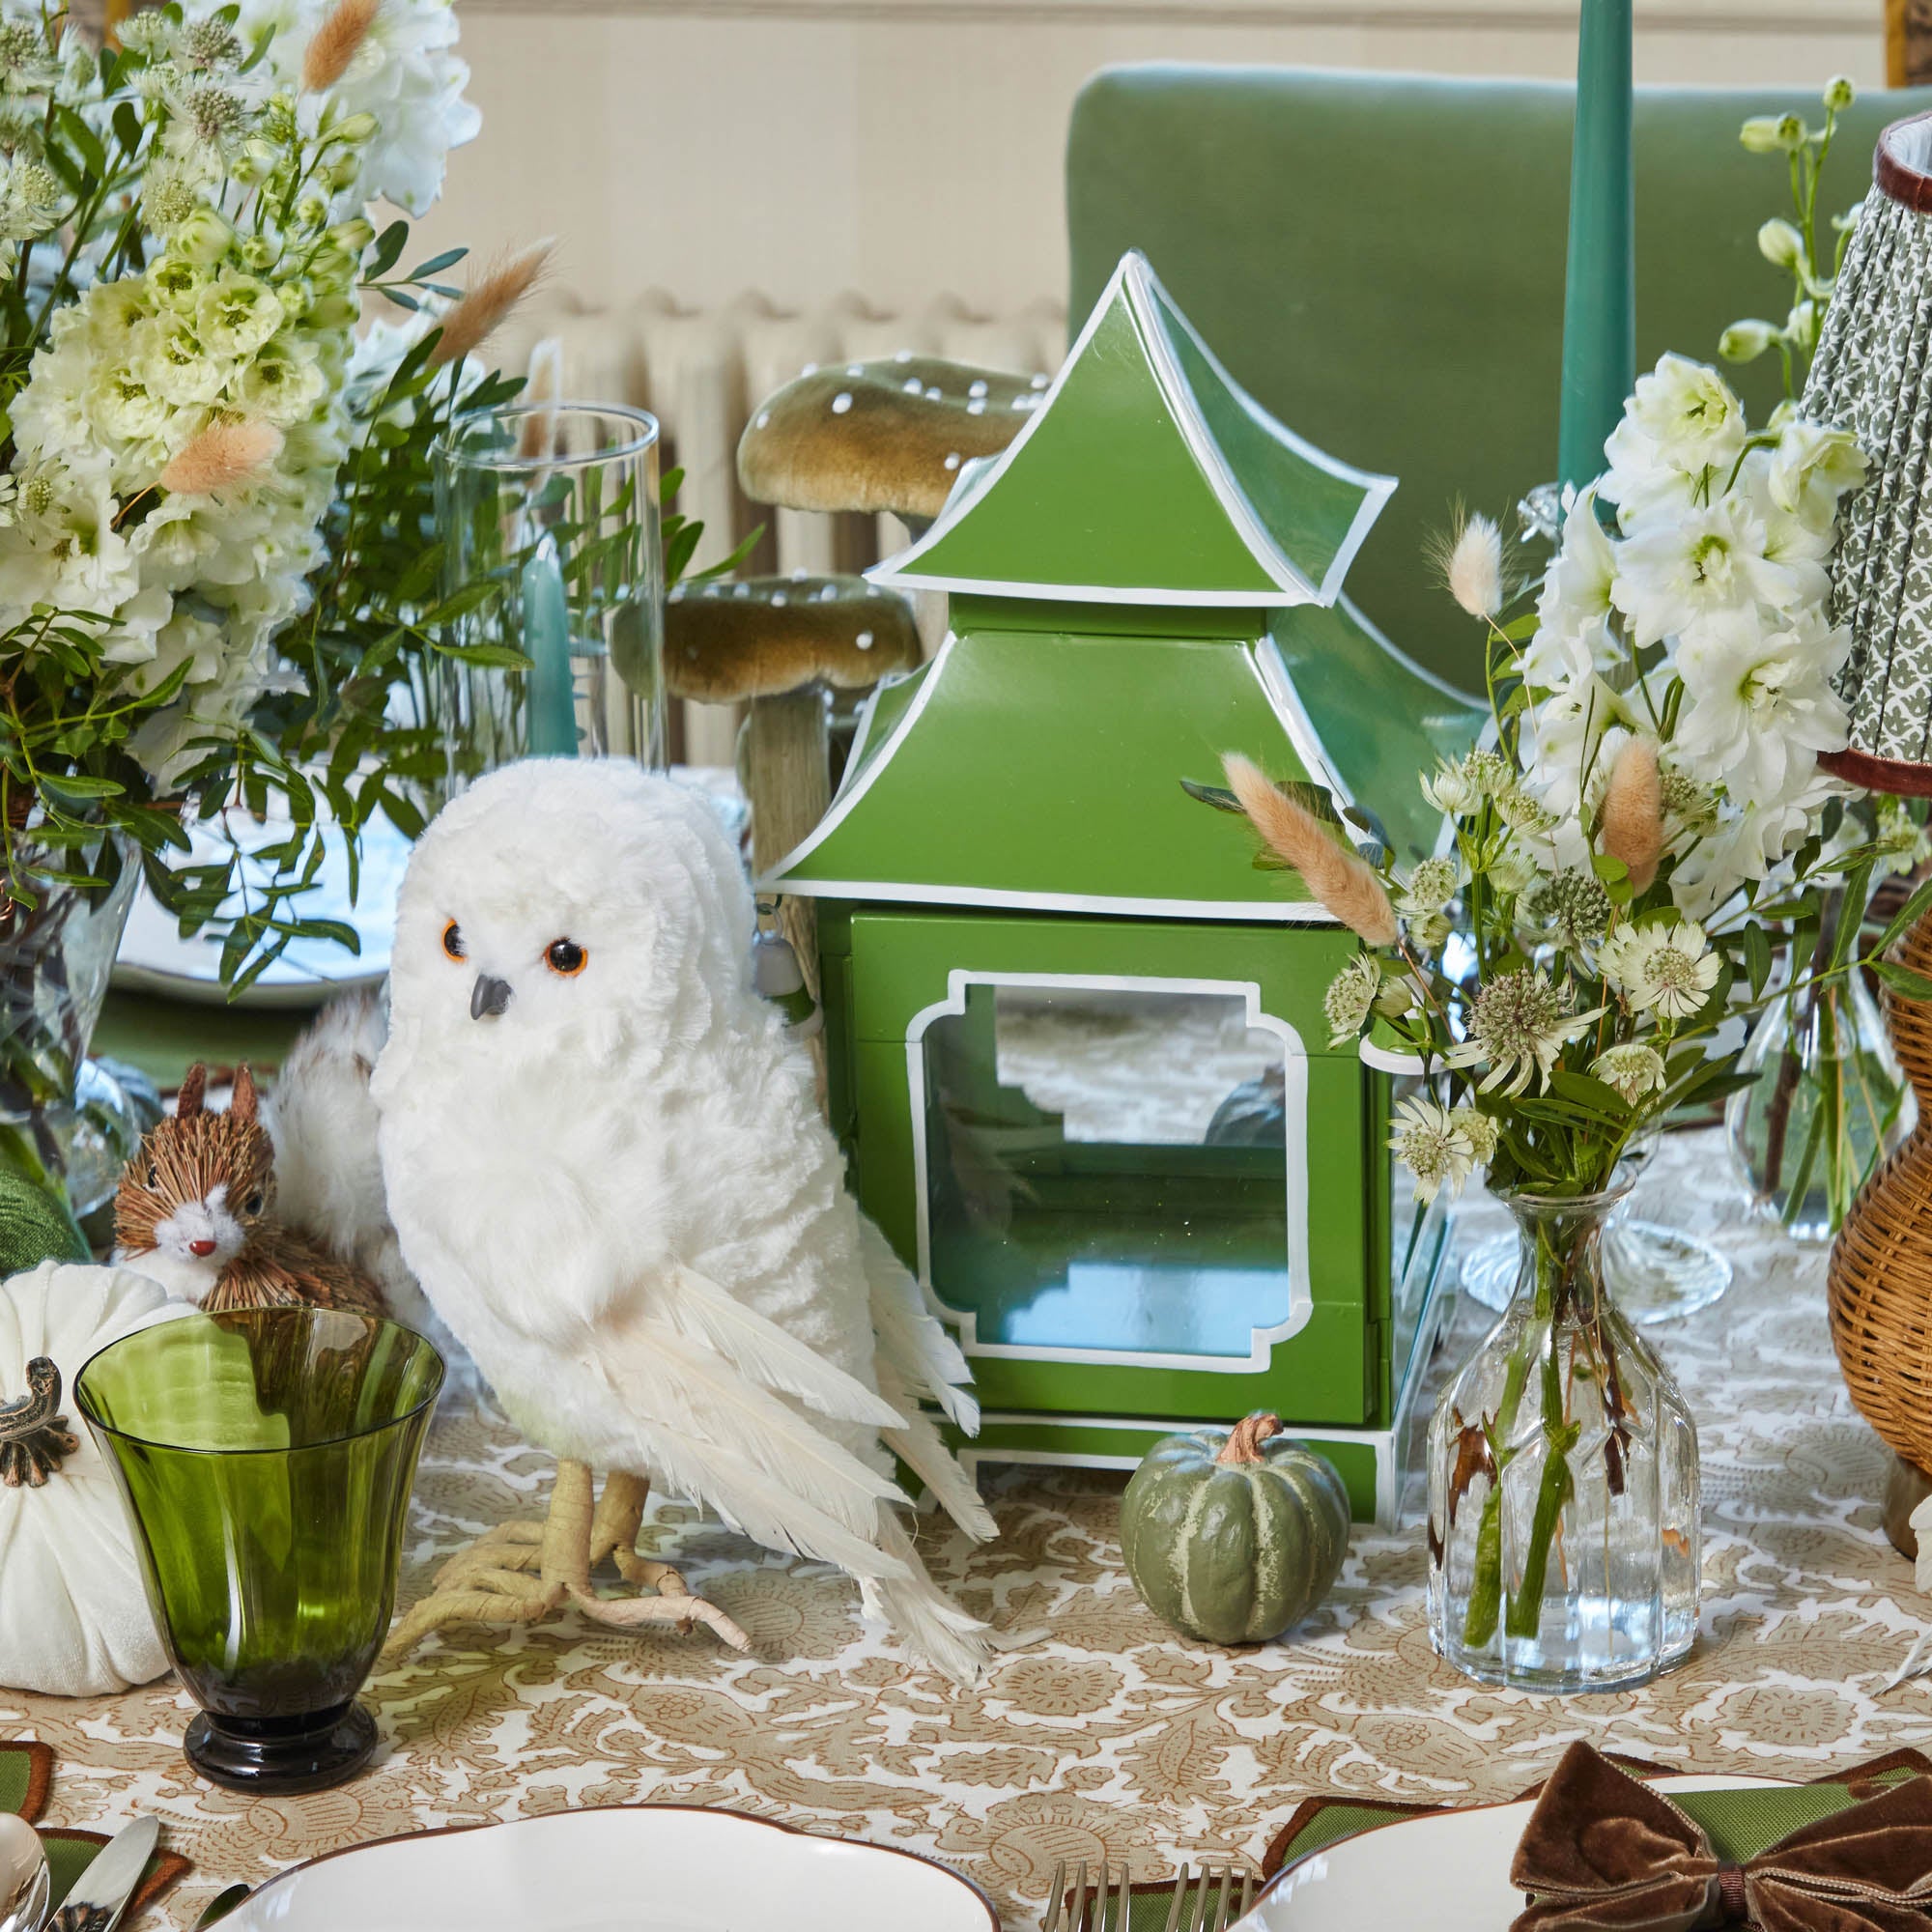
[(1881, 1274)]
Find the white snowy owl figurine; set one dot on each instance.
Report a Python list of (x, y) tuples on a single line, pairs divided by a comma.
[(609, 1173)]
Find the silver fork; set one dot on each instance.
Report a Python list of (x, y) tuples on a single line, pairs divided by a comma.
[(1207, 1912), (1088, 1914)]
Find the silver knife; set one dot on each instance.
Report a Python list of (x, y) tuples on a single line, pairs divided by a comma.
[(100, 1893)]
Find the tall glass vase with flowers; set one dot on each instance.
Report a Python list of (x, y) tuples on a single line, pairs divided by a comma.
[(1643, 836), (185, 240)]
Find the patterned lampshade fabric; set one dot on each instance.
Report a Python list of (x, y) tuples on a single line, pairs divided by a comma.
[(1872, 375)]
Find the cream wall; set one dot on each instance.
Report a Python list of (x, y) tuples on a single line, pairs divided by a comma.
[(908, 148)]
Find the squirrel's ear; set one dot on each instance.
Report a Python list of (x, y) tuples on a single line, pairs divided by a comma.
[(194, 1084), (243, 1104)]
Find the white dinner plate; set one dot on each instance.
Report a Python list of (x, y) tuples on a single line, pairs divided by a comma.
[(626, 1869), (1447, 1871)]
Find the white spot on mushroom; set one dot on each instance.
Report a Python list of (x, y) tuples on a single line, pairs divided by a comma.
[(976, 409), (829, 594), (810, 369), (855, 368), (1037, 382), (741, 591), (841, 402), (1022, 401), (864, 640), (978, 388), (779, 600), (932, 395), (911, 385), (953, 460), (800, 574), (902, 356), (764, 417)]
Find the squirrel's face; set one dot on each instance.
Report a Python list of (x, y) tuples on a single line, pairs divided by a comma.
[(200, 1183)]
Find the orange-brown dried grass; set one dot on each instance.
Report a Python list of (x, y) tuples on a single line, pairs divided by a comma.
[(1341, 880), (1632, 819), (483, 310), (336, 42), (222, 455)]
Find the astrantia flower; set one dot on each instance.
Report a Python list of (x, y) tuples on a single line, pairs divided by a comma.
[(1574, 906), (1433, 1146), (1667, 971), (1517, 1025), (1690, 804), (1478, 1129), (1351, 994), (1430, 887), (1512, 870), (1633, 1069)]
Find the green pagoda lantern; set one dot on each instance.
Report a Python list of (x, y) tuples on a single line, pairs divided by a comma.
[(1076, 1048)]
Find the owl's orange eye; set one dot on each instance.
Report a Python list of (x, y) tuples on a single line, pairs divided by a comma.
[(452, 940), (565, 958)]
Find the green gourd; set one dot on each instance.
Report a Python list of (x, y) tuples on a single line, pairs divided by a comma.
[(34, 1227), (1234, 1535)]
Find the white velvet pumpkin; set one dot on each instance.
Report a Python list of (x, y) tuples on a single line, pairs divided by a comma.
[(73, 1619)]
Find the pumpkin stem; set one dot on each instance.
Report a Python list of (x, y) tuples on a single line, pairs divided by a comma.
[(34, 1440), (1244, 1440)]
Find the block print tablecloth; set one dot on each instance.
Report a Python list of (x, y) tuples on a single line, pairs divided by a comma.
[(1098, 1732)]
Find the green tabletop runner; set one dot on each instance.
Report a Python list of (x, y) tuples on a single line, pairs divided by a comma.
[(26, 1771)]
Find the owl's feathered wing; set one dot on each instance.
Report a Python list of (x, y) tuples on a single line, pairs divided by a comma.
[(708, 1371)]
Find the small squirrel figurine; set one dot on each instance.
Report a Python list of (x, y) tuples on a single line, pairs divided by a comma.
[(190, 1213)]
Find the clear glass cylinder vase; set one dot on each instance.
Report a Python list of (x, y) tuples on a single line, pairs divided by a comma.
[(1828, 1104), (58, 1111), (1563, 1525), (552, 552)]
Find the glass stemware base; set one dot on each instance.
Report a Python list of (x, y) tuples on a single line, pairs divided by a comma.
[(281, 1754)]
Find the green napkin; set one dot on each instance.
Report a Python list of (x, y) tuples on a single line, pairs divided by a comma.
[(26, 1769)]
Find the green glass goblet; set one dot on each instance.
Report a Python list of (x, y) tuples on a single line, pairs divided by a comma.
[(265, 1457)]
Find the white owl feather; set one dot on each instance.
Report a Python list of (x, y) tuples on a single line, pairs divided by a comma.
[(609, 1172)]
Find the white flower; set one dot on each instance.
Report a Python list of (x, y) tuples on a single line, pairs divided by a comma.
[(1744, 847), (1758, 706), (1433, 1146), (1350, 995), (1574, 614), (1573, 730), (1430, 887), (1668, 971), (1683, 423), (1478, 1129), (1703, 559), (1810, 468), (1633, 1069), (1519, 1023)]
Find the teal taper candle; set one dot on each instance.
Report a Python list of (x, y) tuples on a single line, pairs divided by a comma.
[(552, 702), (1600, 299)]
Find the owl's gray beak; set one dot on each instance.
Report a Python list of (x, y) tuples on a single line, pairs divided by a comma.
[(488, 997)]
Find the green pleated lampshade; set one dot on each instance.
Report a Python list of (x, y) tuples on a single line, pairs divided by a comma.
[(1873, 376)]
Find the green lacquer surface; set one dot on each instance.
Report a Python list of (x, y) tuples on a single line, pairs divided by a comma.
[(1146, 473), (265, 1457), (1051, 765)]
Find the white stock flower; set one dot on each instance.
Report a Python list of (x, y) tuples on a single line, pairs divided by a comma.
[(1665, 970), (1574, 614), (1683, 423), (1706, 559), (1758, 706)]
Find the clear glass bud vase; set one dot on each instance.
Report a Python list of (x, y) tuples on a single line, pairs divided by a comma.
[(1830, 1102), (1563, 1505)]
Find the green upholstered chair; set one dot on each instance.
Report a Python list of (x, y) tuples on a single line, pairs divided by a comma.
[(1379, 260)]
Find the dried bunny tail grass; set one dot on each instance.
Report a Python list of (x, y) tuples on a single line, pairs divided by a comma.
[(223, 454), (1468, 557), (471, 321), (1633, 820), (542, 390), (336, 42), (1343, 881)]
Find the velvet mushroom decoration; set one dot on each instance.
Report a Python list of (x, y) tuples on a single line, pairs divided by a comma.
[(779, 645), (882, 436)]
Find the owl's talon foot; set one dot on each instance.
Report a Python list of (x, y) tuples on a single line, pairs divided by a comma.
[(679, 1609)]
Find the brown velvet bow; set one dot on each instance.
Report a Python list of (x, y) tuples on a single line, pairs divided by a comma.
[(1606, 1854)]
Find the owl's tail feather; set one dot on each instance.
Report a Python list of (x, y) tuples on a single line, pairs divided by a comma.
[(927, 1359), (917, 1445), (933, 1626)]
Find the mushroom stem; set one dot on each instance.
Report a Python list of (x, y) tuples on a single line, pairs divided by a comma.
[(785, 759)]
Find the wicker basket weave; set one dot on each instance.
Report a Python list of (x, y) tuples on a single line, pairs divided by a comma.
[(1880, 1283)]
